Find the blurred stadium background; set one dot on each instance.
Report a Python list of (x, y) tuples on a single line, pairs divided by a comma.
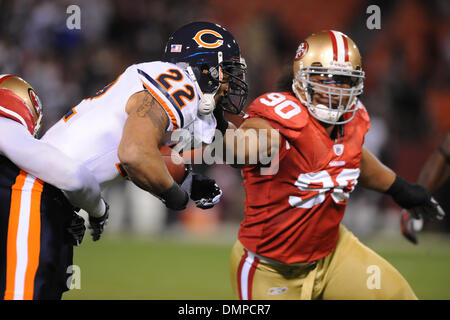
[(150, 253)]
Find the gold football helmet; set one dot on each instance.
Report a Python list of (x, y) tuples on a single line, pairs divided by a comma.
[(328, 64), (26, 92)]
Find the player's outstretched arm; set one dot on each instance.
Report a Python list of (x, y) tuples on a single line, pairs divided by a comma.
[(249, 143), (436, 170), (52, 166), (139, 154), (374, 174), (433, 175), (414, 197)]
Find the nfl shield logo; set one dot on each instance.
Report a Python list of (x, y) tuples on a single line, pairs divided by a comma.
[(338, 149), (175, 48)]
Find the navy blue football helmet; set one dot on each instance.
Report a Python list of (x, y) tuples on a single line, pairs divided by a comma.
[(214, 57)]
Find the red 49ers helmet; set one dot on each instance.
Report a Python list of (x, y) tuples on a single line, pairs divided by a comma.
[(25, 92)]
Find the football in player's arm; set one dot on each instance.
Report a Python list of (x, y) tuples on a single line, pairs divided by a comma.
[(291, 236), (212, 69)]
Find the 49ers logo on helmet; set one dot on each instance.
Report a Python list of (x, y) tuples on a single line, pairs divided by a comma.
[(35, 101), (301, 50)]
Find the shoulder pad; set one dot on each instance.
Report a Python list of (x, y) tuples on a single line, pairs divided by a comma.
[(281, 108), (173, 89)]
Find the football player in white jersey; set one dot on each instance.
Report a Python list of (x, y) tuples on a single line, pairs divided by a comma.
[(38, 226), (117, 132)]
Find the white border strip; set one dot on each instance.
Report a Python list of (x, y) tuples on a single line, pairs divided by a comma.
[(14, 114), (245, 272), (22, 238)]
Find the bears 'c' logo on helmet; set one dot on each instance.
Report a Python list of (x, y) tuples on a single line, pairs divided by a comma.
[(209, 45)]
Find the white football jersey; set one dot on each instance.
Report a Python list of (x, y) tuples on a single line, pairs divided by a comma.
[(91, 131)]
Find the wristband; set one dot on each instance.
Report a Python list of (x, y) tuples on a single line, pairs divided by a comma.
[(397, 186), (100, 209), (175, 198), (407, 195)]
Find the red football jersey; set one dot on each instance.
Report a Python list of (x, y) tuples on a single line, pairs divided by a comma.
[(13, 107), (294, 215)]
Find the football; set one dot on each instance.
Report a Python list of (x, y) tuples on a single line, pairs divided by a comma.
[(174, 163)]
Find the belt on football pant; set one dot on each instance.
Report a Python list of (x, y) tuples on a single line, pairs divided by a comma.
[(310, 267), (300, 265)]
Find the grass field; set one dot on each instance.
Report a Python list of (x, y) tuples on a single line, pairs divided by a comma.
[(129, 267)]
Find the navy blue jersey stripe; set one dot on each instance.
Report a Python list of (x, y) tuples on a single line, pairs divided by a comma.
[(166, 94)]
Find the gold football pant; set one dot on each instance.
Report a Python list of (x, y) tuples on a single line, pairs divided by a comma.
[(350, 271)]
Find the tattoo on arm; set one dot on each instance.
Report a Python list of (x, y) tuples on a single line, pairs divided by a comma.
[(151, 109)]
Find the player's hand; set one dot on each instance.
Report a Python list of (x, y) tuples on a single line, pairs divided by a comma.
[(416, 199), (204, 191), (407, 227), (429, 209), (76, 229), (96, 225)]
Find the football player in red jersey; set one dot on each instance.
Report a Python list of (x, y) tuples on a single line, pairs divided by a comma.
[(434, 174), (291, 243), (38, 225)]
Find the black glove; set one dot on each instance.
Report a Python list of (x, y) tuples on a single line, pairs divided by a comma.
[(204, 191), (407, 227), (415, 199), (96, 225), (75, 230)]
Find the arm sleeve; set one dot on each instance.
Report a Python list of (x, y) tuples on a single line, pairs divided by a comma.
[(51, 165)]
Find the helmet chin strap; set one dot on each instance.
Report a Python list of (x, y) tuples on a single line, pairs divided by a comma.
[(324, 113), (206, 103), (319, 111)]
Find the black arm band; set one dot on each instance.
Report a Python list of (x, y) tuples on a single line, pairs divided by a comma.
[(397, 187), (407, 195), (446, 156), (175, 198)]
